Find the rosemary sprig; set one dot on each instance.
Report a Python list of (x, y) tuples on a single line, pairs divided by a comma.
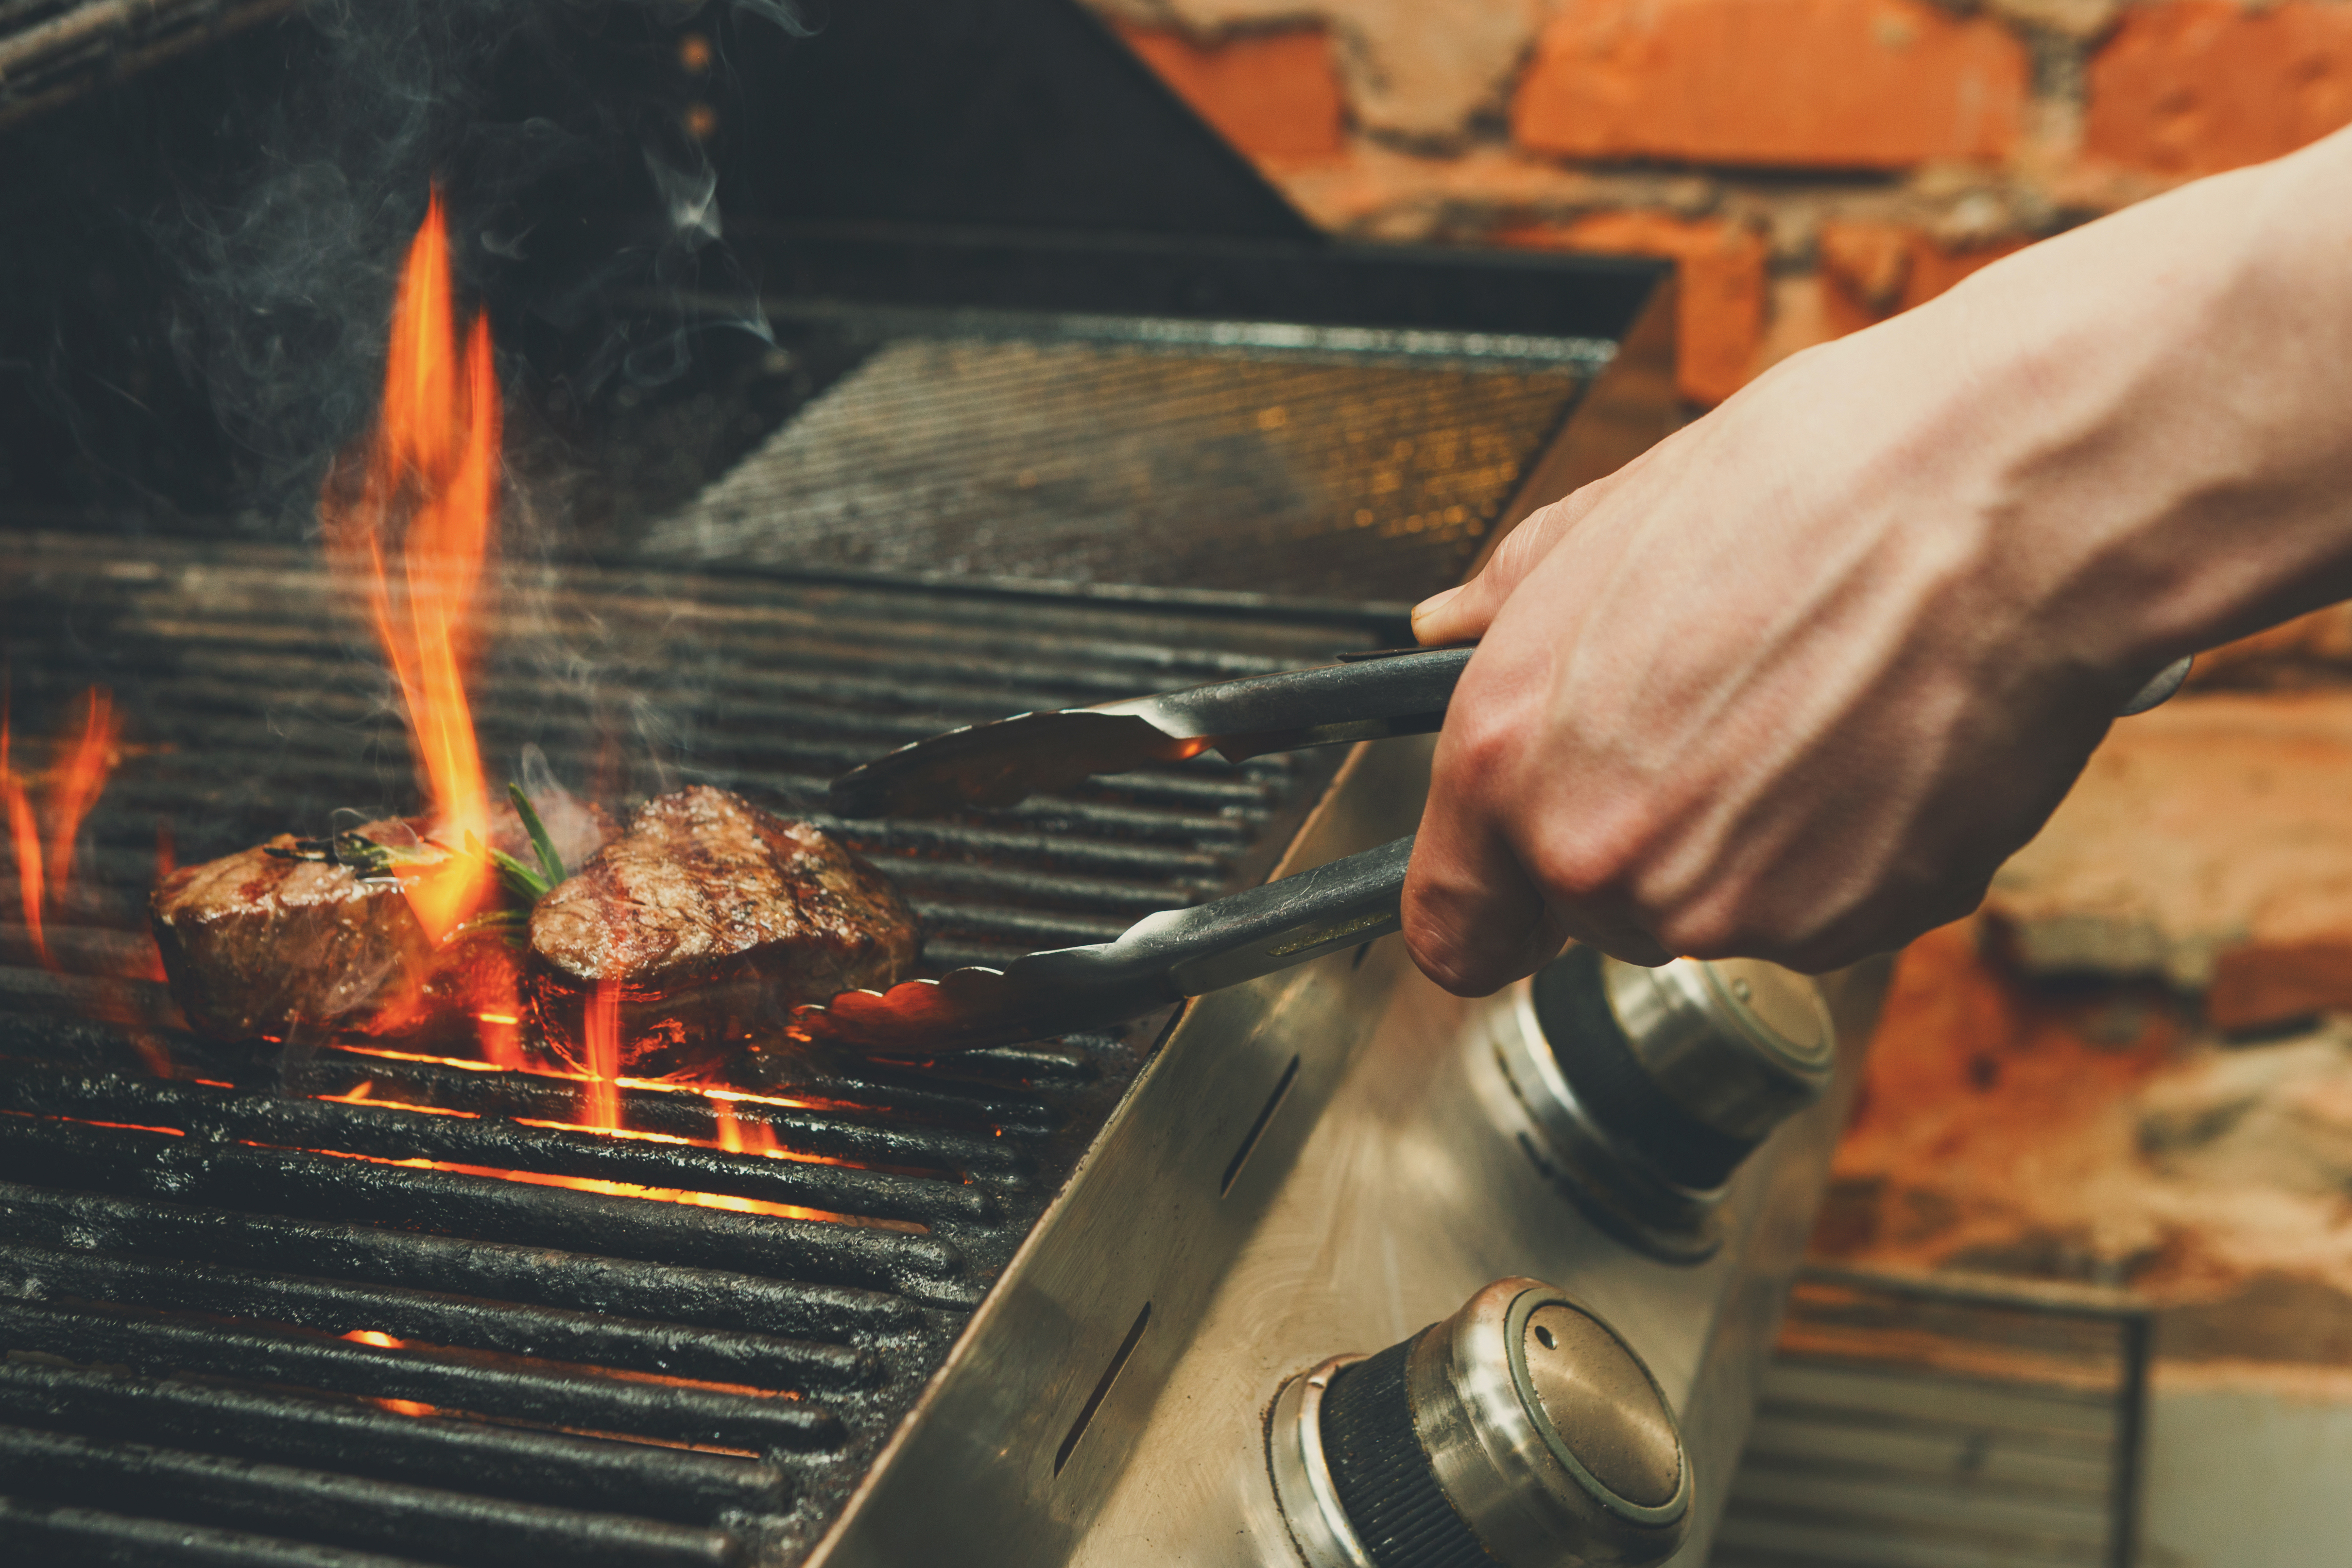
[(524, 884), (551, 864)]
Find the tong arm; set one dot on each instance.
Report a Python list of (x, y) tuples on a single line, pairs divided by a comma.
[(1161, 958), (1403, 692)]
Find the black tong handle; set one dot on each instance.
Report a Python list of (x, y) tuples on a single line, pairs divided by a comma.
[(1368, 697)]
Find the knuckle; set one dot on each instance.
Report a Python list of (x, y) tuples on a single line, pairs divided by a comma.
[(1579, 868), (1711, 930)]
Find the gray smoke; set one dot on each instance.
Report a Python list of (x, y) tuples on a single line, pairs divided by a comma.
[(527, 113)]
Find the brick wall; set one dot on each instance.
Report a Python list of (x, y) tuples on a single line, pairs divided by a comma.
[(1813, 166)]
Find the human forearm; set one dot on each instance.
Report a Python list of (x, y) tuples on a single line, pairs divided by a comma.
[(1795, 682)]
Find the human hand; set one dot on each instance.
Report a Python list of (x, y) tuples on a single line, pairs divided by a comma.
[(1796, 682)]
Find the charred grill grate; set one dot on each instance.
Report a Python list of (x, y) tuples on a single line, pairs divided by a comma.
[(343, 1302)]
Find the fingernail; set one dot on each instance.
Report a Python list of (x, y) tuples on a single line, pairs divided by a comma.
[(1433, 603)]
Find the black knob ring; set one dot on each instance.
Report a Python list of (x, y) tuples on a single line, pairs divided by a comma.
[(1303, 1486), (1643, 1091), (1523, 1430)]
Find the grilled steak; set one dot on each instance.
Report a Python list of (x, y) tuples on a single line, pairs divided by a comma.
[(712, 918), (255, 944)]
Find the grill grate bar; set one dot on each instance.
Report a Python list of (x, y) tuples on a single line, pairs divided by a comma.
[(889, 1142), (356, 1438), (505, 1387), (974, 1104), (1034, 927), (299, 1183), (96, 1535), (575, 1281), (323, 751), (714, 1355), (940, 660), (452, 1527), (390, 1133)]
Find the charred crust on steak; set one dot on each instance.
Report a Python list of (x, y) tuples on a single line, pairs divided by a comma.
[(274, 943), (714, 919)]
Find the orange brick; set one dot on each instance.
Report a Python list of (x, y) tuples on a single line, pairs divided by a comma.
[(1877, 270), (2198, 85), (1275, 96), (1874, 84), (1719, 271), (2275, 978)]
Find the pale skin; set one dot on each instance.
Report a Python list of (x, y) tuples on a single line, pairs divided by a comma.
[(1793, 684)]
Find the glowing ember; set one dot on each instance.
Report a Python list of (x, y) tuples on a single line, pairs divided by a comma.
[(427, 487), (385, 1342), (726, 1200), (600, 1101)]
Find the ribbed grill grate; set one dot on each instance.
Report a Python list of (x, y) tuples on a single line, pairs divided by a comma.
[(1067, 460), (346, 1303)]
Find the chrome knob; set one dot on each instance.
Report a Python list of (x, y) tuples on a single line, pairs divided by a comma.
[(1521, 1430), (1736, 1045), (1648, 1087)]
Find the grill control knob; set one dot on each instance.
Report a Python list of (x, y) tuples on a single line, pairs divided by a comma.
[(1521, 1430), (1649, 1086)]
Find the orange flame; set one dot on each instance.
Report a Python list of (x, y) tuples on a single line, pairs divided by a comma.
[(501, 1032), (600, 1099), (434, 462), (742, 1134), (24, 834), (79, 779), (74, 785)]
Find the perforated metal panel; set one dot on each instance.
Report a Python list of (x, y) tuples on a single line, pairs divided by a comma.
[(1316, 477)]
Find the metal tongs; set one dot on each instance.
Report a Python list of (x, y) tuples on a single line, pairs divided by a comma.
[(1177, 952)]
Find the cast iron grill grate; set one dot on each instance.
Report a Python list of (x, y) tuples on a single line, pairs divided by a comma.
[(346, 1303)]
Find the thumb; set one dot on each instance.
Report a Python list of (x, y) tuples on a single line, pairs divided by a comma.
[(1463, 614)]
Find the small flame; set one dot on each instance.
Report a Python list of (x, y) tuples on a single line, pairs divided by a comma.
[(433, 465), (75, 782), (600, 1099), (78, 780), (374, 1337), (742, 1134), (24, 834), (499, 1028)]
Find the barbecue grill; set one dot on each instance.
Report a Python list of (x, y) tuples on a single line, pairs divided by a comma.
[(1064, 405)]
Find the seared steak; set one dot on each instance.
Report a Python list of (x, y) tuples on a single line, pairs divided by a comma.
[(713, 919), (257, 944)]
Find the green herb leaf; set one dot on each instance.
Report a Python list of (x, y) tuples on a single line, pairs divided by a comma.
[(521, 881), (551, 864)]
